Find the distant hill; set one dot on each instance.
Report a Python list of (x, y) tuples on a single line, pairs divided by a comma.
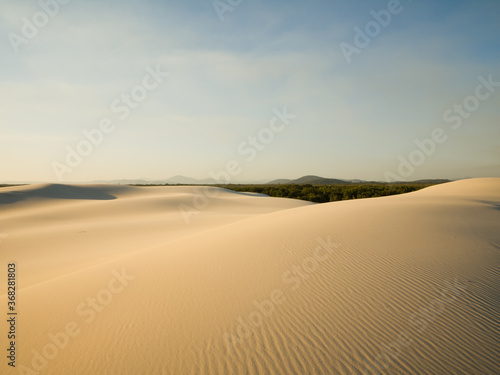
[(311, 180), (316, 180)]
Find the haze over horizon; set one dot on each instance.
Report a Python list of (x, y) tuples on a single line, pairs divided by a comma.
[(186, 180), (260, 90)]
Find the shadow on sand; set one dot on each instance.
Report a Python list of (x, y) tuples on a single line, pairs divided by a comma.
[(494, 204), (56, 191)]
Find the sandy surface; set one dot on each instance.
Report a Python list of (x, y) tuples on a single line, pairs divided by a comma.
[(128, 280)]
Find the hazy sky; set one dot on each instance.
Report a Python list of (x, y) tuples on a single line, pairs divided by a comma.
[(361, 102)]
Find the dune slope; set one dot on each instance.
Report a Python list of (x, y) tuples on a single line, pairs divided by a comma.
[(57, 229), (256, 285)]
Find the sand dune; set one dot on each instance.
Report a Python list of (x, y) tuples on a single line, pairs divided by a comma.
[(57, 229), (115, 280)]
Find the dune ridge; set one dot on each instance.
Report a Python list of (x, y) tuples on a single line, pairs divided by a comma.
[(256, 285)]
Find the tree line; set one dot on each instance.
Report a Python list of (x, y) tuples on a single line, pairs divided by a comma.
[(329, 193)]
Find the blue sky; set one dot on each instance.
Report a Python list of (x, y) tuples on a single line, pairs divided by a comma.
[(356, 119)]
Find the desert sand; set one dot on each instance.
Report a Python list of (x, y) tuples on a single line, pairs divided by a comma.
[(120, 280)]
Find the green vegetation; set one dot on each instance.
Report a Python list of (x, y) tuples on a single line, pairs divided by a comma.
[(330, 193)]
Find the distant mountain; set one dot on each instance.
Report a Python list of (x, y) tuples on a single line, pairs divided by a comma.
[(311, 180), (316, 180)]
